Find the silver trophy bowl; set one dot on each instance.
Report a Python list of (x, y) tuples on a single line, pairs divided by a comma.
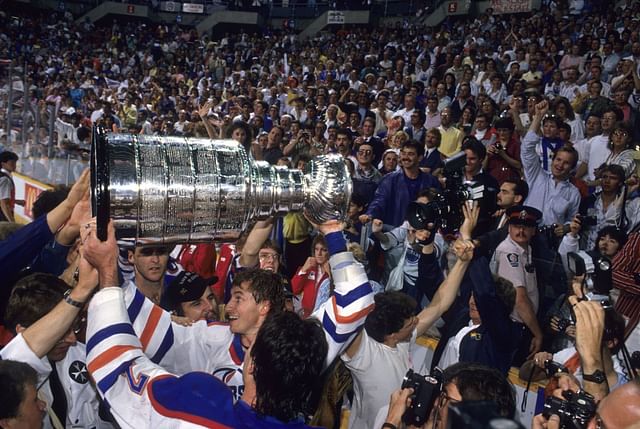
[(169, 190)]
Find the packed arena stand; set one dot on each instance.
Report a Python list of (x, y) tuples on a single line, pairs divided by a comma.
[(492, 232)]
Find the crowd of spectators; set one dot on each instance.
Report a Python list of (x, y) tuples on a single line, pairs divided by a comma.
[(541, 109)]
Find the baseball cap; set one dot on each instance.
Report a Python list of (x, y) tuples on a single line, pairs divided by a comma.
[(185, 287)]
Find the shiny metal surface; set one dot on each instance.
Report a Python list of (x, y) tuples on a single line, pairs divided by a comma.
[(179, 190)]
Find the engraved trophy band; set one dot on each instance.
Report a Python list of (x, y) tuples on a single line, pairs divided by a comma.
[(169, 190)]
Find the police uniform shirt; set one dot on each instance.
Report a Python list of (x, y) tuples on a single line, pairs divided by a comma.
[(512, 263)]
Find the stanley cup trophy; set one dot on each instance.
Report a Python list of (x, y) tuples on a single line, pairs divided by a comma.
[(169, 190)]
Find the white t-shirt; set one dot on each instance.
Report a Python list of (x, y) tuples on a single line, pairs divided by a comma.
[(377, 372), (451, 352)]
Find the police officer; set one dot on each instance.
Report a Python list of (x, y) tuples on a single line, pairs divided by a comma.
[(513, 260)]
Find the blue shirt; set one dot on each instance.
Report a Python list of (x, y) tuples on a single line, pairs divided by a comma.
[(558, 201)]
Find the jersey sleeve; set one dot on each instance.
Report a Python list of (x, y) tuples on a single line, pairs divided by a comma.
[(343, 314), (177, 348), (138, 392)]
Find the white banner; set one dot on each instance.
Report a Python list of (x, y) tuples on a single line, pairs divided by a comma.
[(335, 17), (192, 8), (511, 6), (169, 6)]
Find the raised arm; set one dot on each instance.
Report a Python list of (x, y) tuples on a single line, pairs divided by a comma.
[(343, 315), (139, 392), (256, 238), (448, 290), (530, 159)]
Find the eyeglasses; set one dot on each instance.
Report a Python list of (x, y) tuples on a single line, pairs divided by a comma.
[(441, 402), (620, 133), (365, 152)]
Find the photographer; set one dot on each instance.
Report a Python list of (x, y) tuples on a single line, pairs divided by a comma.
[(609, 206), (408, 248), (612, 341), (461, 382), (609, 240), (299, 146)]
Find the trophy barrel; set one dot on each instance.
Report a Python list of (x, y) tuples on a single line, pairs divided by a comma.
[(185, 190)]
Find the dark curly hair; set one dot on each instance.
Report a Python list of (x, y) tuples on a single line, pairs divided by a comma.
[(264, 285), (477, 382), (391, 310), (288, 357)]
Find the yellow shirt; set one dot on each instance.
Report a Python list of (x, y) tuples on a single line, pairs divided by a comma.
[(451, 141)]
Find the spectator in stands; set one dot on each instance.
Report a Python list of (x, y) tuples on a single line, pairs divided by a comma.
[(432, 160), (503, 156), (397, 189), (310, 276), (451, 137), (8, 161), (552, 192)]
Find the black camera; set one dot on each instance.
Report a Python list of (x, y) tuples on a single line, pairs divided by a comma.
[(563, 324), (595, 267), (552, 368), (586, 220), (574, 411), (445, 211), (426, 389)]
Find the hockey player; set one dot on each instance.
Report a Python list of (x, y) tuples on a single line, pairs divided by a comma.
[(219, 348), (280, 370)]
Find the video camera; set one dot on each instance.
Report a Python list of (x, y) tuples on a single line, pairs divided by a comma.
[(595, 267), (426, 389), (445, 211), (575, 411)]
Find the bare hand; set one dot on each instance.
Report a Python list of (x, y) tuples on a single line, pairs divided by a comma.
[(575, 226), (203, 111), (541, 108), (309, 264), (364, 218), (327, 227), (589, 330), (376, 225), (463, 249), (540, 358), (398, 405), (471, 211), (103, 255)]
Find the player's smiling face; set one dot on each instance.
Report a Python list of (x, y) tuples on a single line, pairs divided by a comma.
[(243, 312)]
